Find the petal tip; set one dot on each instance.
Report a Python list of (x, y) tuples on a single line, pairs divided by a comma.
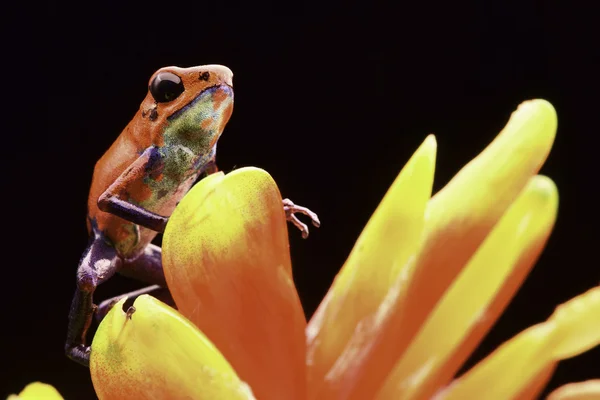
[(577, 391), (545, 188), (427, 152), (119, 304), (539, 109), (252, 170), (431, 144), (37, 390)]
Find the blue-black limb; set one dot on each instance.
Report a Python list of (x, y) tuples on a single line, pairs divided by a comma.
[(133, 213), (99, 262), (147, 267)]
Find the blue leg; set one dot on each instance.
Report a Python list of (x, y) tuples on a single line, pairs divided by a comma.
[(99, 262)]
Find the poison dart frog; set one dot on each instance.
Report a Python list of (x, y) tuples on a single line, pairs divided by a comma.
[(137, 183)]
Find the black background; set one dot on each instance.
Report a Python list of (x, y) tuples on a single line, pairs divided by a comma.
[(331, 99)]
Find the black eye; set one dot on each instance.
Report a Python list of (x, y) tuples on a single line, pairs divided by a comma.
[(166, 87)]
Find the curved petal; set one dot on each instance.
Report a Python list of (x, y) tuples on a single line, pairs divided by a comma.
[(37, 390), (587, 390), (227, 263), (463, 314), (463, 213), (156, 353), (572, 329), (379, 256), (457, 220)]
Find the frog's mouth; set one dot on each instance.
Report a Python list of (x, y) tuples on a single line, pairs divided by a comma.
[(204, 117), (214, 95)]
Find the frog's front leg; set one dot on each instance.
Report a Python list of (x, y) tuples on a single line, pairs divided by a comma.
[(290, 209), (99, 262), (149, 161)]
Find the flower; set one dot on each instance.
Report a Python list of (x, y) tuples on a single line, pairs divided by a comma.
[(423, 284)]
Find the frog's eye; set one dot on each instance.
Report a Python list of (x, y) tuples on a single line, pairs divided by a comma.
[(165, 87)]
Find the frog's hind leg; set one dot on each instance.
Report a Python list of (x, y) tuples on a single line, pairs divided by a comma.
[(147, 267), (99, 262)]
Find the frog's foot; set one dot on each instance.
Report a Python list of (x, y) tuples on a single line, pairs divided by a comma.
[(79, 353), (290, 209)]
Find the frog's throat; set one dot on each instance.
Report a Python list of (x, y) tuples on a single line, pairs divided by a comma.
[(199, 124), (208, 92)]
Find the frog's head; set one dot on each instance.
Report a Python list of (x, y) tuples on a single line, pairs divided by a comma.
[(188, 106)]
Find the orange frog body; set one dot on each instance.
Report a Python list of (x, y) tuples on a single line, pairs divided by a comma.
[(140, 180), (179, 132)]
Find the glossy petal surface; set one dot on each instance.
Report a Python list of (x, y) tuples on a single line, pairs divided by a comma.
[(227, 263), (573, 329), (158, 354), (36, 391), (380, 255), (464, 308)]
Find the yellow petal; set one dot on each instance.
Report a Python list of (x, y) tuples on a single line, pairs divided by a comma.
[(429, 362), (158, 354), (463, 213), (227, 263), (37, 391), (588, 390), (533, 389), (457, 220), (572, 329), (380, 254)]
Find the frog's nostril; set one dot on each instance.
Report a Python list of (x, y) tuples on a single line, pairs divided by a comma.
[(223, 73)]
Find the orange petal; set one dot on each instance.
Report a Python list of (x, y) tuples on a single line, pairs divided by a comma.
[(35, 391), (380, 254), (457, 220), (227, 263), (572, 329), (430, 361), (588, 390), (158, 354)]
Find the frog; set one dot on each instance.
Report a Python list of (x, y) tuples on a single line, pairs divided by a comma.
[(169, 144)]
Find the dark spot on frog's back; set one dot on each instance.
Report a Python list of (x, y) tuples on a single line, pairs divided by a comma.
[(153, 114), (204, 76)]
